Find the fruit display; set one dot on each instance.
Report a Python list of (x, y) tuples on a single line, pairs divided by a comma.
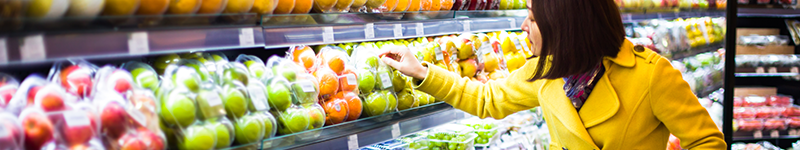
[(762, 145), (152, 7), (683, 4), (485, 129), (703, 71), (120, 7), (13, 132), (8, 86), (753, 61), (679, 36)]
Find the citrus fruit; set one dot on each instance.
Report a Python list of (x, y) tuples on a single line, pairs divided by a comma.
[(302, 6), (264, 6), (436, 5), (389, 6), (335, 60), (324, 6), (304, 56), (425, 5), (414, 5), (119, 7), (284, 7), (348, 80), (152, 7), (183, 6), (402, 5), (328, 82), (336, 110), (353, 104), (238, 6), (211, 6)]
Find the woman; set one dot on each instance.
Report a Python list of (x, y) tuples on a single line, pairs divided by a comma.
[(597, 90)]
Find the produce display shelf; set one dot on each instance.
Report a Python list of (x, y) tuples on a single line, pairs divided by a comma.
[(365, 131), (768, 12), (694, 51), (767, 72), (764, 135)]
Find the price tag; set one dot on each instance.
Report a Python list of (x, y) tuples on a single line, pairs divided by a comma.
[(793, 132), (629, 17), (439, 54), (138, 43), (395, 130), (660, 17), (524, 45), (772, 70), (467, 25), (774, 134), (398, 30), (3, 50), (517, 44), (351, 79), (512, 23), (757, 134), (369, 31), (307, 86), (794, 70), (33, 48), (420, 29), (760, 70), (386, 80), (258, 97), (246, 37), (137, 116), (213, 99), (352, 142), (76, 118), (327, 34)]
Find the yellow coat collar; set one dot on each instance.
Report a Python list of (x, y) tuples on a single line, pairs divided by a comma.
[(600, 106)]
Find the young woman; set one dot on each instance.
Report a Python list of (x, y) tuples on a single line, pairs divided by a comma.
[(597, 90)]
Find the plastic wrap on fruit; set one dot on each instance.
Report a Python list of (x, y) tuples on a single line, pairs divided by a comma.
[(199, 136), (793, 122), (178, 108), (780, 100), (284, 68), (765, 112), (146, 103), (406, 99), (183, 6), (209, 102), (775, 124), (112, 79), (255, 66), (744, 112), (307, 87), (375, 103), (793, 111), (225, 131), (76, 76), (77, 126), (750, 124), (755, 101), (8, 87), (235, 71), (294, 119), (143, 75), (37, 119), (13, 133), (349, 80), (279, 94), (250, 128)]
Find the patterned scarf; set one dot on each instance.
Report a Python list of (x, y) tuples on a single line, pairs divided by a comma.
[(579, 86)]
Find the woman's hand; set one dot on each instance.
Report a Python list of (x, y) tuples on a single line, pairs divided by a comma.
[(404, 61)]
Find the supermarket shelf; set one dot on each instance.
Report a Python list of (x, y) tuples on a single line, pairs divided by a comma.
[(766, 72), (633, 17), (692, 52), (370, 130), (765, 135), (768, 12)]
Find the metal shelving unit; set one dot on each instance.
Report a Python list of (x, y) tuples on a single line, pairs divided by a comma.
[(768, 12)]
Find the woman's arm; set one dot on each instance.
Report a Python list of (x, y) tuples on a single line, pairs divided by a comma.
[(496, 98), (677, 107)]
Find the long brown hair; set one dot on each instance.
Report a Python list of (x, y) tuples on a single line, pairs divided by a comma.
[(576, 35)]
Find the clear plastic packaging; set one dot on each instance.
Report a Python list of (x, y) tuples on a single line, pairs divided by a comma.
[(243, 6), (147, 104), (198, 136), (143, 75), (750, 124), (255, 66), (793, 111), (766, 112), (336, 109), (775, 124), (762, 40), (152, 7), (354, 104), (178, 108), (294, 119), (37, 119), (11, 132), (780, 100), (264, 7), (744, 112), (450, 140), (754, 101), (75, 76), (793, 122), (8, 87), (183, 7), (279, 94), (189, 74), (120, 7), (77, 126), (109, 78), (307, 88), (485, 129)]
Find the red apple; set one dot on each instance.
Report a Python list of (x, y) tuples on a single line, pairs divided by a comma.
[(121, 80), (32, 94), (6, 93), (113, 119), (77, 80), (132, 142), (77, 128), (10, 135), (155, 141), (50, 99), (38, 129)]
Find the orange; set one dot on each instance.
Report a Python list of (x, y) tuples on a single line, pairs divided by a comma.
[(402, 5), (414, 6), (284, 7), (425, 5), (328, 82), (183, 6), (302, 6), (304, 56), (334, 60), (211, 7), (264, 6), (447, 5), (436, 5), (389, 5), (335, 111), (343, 80), (324, 6), (152, 7), (353, 104)]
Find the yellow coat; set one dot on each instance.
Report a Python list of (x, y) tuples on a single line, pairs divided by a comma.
[(636, 104)]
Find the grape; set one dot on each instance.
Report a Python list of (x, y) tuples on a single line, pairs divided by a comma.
[(453, 147)]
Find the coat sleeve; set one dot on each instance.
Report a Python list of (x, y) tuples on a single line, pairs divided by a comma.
[(674, 104), (496, 98)]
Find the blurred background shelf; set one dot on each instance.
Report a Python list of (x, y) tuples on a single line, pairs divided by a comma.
[(768, 12), (766, 72)]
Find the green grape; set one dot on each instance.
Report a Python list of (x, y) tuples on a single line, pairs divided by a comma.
[(462, 147)]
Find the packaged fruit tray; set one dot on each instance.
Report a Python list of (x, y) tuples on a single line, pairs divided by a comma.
[(449, 141), (487, 131)]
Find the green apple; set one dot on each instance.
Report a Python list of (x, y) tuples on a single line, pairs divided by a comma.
[(302, 96), (188, 78), (421, 97), (316, 115), (376, 104), (391, 100), (293, 120), (398, 81), (162, 62), (225, 133), (366, 81), (236, 73), (198, 138), (177, 109), (210, 104), (145, 78), (372, 61), (285, 71), (235, 102), (268, 121), (279, 96), (248, 129), (384, 77), (405, 100), (256, 69)]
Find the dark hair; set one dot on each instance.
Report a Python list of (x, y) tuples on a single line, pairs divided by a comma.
[(576, 34)]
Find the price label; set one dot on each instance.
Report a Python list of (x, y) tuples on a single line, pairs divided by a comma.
[(512, 23), (307, 86), (246, 37), (467, 24), (386, 80), (793, 132), (524, 45), (258, 97), (76, 118), (629, 17), (760, 70), (352, 142), (33, 48), (757, 134), (369, 31), (772, 70), (395, 130), (327, 34), (351, 79), (3, 50), (517, 44), (774, 134), (137, 116), (794, 70), (420, 29), (213, 99), (439, 54), (398, 30), (138, 43)]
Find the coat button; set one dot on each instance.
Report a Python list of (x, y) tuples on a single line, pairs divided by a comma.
[(564, 148), (638, 48)]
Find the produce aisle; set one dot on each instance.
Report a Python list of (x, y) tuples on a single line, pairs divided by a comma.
[(302, 74)]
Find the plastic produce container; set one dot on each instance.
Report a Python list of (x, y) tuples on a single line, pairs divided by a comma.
[(749, 124), (485, 129), (456, 141)]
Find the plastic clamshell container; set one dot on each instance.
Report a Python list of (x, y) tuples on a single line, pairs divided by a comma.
[(466, 144), (478, 127)]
